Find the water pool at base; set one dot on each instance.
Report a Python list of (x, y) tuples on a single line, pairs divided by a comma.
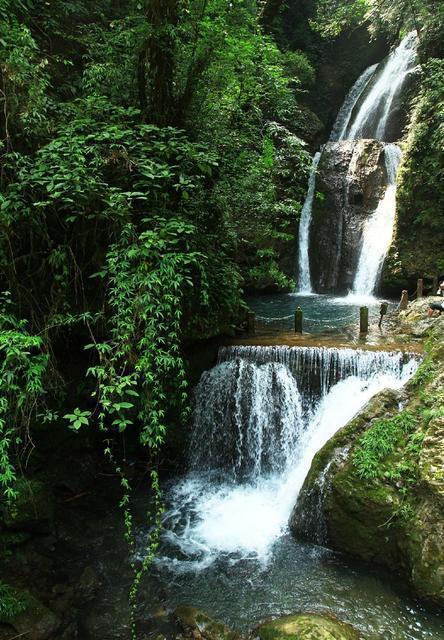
[(321, 312), (301, 577)]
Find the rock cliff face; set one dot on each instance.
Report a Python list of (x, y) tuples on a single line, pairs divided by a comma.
[(351, 180), (383, 475)]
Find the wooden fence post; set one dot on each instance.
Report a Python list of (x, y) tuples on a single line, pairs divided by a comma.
[(251, 322), (298, 320), (419, 288), (363, 320), (404, 300), (434, 285), (382, 311)]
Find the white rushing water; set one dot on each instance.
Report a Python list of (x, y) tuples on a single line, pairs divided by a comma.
[(304, 230), (372, 114), (261, 414), (378, 230), (343, 118)]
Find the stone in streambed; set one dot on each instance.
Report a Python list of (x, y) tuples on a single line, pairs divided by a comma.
[(197, 624), (306, 626)]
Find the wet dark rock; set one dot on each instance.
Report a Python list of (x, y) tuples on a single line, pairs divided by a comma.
[(341, 62), (70, 633), (306, 626), (36, 622), (351, 180), (89, 584), (6, 632)]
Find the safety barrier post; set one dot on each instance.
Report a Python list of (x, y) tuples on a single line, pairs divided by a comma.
[(298, 320), (404, 300), (363, 320)]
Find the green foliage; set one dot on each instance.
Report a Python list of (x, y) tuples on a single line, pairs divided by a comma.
[(23, 368), (421, 185), (387, 17), (25, 80), (11, 603), (335, 16), (379, 442), (425, 373)]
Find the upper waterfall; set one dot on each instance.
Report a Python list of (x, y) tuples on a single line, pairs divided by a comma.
[(369, 115), (345, 112), (371, 111)]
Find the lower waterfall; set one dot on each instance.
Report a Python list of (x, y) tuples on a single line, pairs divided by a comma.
[(260, 416)]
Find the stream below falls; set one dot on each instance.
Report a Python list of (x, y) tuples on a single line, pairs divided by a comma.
[(260, 416)]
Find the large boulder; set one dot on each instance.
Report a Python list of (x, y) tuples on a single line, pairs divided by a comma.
[(306, 626), (350, 182), (383, 480)]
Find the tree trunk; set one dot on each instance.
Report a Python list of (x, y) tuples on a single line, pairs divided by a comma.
[(157, 63), (269, 12)]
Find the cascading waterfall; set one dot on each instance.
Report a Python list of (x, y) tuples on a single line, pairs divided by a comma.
[(253, 426), (343, 118), (367, 112), (378, 230), (304, 230), (369, 117), (260, 416)]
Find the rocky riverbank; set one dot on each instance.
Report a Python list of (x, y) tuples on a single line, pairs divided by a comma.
[(380, 479)]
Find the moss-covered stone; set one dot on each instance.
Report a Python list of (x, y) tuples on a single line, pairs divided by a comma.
[(12, 603), (31, 618), (199, 625), (385, 504), (306, 626)]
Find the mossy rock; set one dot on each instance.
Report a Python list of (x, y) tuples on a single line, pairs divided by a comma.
[(28, 616), (390, 513), (306, 626), (199, 624), (12, 603), (31, 510)]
